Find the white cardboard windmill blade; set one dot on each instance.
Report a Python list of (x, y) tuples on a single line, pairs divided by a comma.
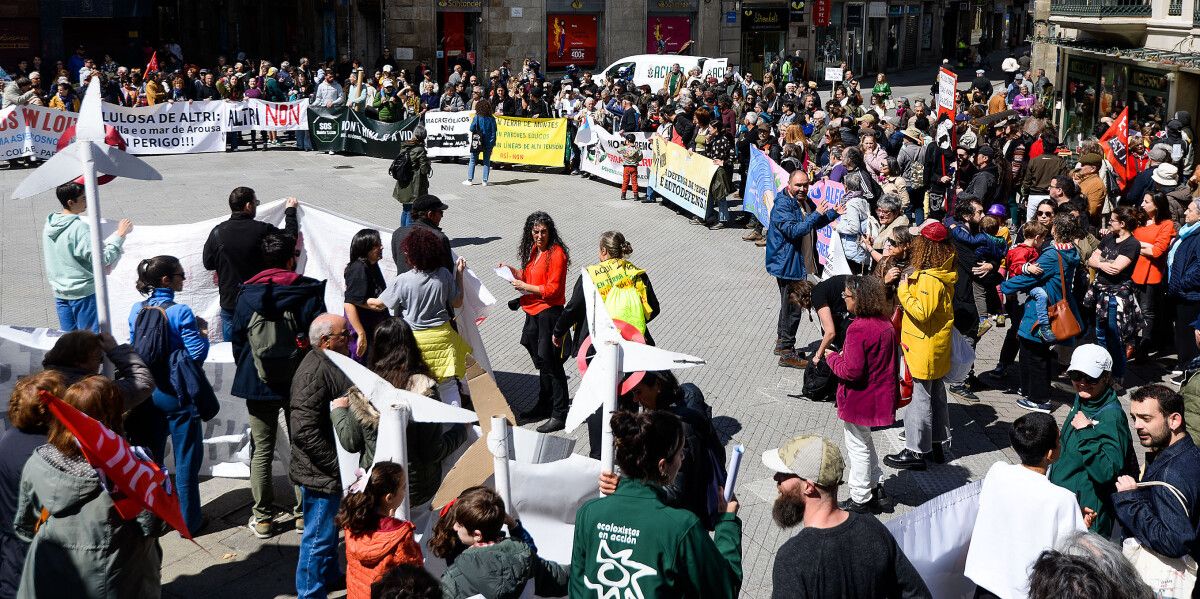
[(614, 357), (396, 408), (87, 156)]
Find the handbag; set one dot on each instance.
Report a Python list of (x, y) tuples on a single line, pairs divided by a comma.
[(1167, 576), (1063, 323)]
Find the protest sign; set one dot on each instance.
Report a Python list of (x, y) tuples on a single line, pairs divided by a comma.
[(259, 115), (448, 134), (764, 179), (178, 128), (935, 537), (344, 130), (683, 178), (830, 192), (599, 156), (538, 142), (947, 82)]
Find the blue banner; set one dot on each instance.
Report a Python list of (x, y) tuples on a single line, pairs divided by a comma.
[(764, 179)]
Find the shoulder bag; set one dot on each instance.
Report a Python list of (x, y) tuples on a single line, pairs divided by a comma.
[(1167, 576), (1063, 323)]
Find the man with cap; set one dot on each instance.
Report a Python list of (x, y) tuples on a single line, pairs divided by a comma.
[(426, 214), (981, 83), (1096, 445), (837, 553), (982, 185), (1091, 187), (1158, 154)]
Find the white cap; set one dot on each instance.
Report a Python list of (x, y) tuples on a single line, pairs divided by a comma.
[(387, 68), (1091, 359), (979, 72)]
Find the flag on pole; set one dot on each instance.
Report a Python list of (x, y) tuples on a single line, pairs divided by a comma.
[(137, 483), (153, 64), (1115, 143)]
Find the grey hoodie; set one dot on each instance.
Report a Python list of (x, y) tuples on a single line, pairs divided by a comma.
[(67, 251), (84, 549)]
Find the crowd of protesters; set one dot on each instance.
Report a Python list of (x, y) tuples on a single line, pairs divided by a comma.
[(955, 222)]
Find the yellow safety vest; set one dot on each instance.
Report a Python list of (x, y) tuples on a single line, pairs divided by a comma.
[(628, 302)]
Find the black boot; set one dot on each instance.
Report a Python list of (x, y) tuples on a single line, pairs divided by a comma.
[(938, 455), (905, 460), (552, 425)]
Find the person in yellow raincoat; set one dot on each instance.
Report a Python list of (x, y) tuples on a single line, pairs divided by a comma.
[(425, 297), (925, 297)]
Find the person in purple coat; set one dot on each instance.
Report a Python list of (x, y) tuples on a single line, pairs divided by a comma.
[(867, 387)]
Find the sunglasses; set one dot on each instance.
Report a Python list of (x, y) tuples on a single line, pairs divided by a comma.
[(1079, 377), (1045, 213)]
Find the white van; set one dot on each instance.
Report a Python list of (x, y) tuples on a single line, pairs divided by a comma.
[(652, 69)]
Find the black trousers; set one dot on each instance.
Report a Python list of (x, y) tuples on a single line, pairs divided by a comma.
[(1185, 335), (552, 379), (1008, 350), (1035, 370), (789, 316)]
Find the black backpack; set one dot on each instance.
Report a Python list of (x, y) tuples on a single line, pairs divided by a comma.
[(402, 169), (820, 384), (152, 341)]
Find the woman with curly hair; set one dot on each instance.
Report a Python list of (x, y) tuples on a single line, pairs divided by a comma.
[(925, 298), (542, 282), (425, 297), (375, 540)]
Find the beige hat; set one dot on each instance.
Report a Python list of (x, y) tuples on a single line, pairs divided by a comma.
[(813, 458), (914, 134), (1166, 174)]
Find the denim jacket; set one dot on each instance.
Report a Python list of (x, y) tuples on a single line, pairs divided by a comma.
[(1153, 515)]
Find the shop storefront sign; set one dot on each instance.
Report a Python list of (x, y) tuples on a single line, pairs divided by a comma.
[(877, 10), (821, 12), (675, 5), (796, 11), (764, 19), (574, 5), (460, 5), (895, 11), (1149, 80), (571, 39)]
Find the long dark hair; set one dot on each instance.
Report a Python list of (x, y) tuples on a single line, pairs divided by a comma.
[(364, 241), (643, 439), (1162, 207), (540, 218), (152, 270), (359, 512), (394, 354)]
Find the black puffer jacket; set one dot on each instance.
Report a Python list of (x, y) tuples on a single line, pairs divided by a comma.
[(314, 457)]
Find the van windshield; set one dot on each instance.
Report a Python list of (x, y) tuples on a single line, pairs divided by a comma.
[(616, 68)]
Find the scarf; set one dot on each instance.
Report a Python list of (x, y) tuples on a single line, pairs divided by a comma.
[(1183, 233)]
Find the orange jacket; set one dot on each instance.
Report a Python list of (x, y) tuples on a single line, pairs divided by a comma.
[(548, 270), (1148, 270), (369, 556)]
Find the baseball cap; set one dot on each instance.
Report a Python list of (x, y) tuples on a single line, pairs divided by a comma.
[(428, 202), (387, 68), (979, 72), (1091, 159), (813, 458), (1091, 359), (866, 118)]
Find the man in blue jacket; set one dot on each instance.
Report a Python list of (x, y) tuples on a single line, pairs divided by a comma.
[(1159, 519), (791, 253)]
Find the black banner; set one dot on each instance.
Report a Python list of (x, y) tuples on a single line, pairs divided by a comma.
[(345, 131)]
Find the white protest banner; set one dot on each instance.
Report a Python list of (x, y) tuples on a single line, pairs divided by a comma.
[(935, 537), (259, 115), (833, 74), (325, 250), (448, 134), (178, 128), (600, 158), (226, 436), (947, 82)]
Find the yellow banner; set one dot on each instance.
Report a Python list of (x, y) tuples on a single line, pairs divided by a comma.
[(541, 142), (681, 177)]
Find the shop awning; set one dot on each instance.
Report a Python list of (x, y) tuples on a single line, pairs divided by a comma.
[(1159, 59)]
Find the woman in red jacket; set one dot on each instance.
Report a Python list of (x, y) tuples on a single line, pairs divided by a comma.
[(542, 281), (867, 387), (1154, 235)]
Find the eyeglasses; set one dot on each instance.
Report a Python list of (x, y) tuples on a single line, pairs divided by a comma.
[(340, 335), (1079, 377), (847, 295), (1045, 213)]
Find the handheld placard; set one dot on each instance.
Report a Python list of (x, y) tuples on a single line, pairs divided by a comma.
[(735, 462)]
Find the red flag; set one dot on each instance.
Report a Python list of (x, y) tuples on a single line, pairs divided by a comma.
[(153, 64), (138, 484), (1115, 143)]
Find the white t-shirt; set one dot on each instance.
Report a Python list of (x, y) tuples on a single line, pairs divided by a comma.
[(1021, 514)]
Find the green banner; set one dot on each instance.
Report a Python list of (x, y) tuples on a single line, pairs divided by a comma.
[(345, 131)]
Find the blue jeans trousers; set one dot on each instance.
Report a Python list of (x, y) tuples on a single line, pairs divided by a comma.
[(317, 570), (77, 314), (487, 164), (226, 324), (1108, 337), (150, 424), (405, 215)]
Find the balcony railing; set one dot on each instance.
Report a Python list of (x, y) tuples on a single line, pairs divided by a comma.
[(1101, 8), (1196, 14), (1175, 9)]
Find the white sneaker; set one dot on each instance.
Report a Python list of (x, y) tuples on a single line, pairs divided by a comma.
[(485, 183), (468, 183)]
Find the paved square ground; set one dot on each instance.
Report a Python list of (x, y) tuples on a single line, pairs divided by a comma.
[(717, 303)]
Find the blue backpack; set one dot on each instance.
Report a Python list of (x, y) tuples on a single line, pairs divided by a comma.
[(152, 341)]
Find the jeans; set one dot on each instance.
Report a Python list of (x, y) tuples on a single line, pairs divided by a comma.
[(77, 314), (1109, 337), (405, 215), (303, 141), (916, 205), (317, 569), (487, 164), (789, 316), (1040, 299), (226, 324), (150, 424), (863, 461), (264, 429), (927, 418)]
